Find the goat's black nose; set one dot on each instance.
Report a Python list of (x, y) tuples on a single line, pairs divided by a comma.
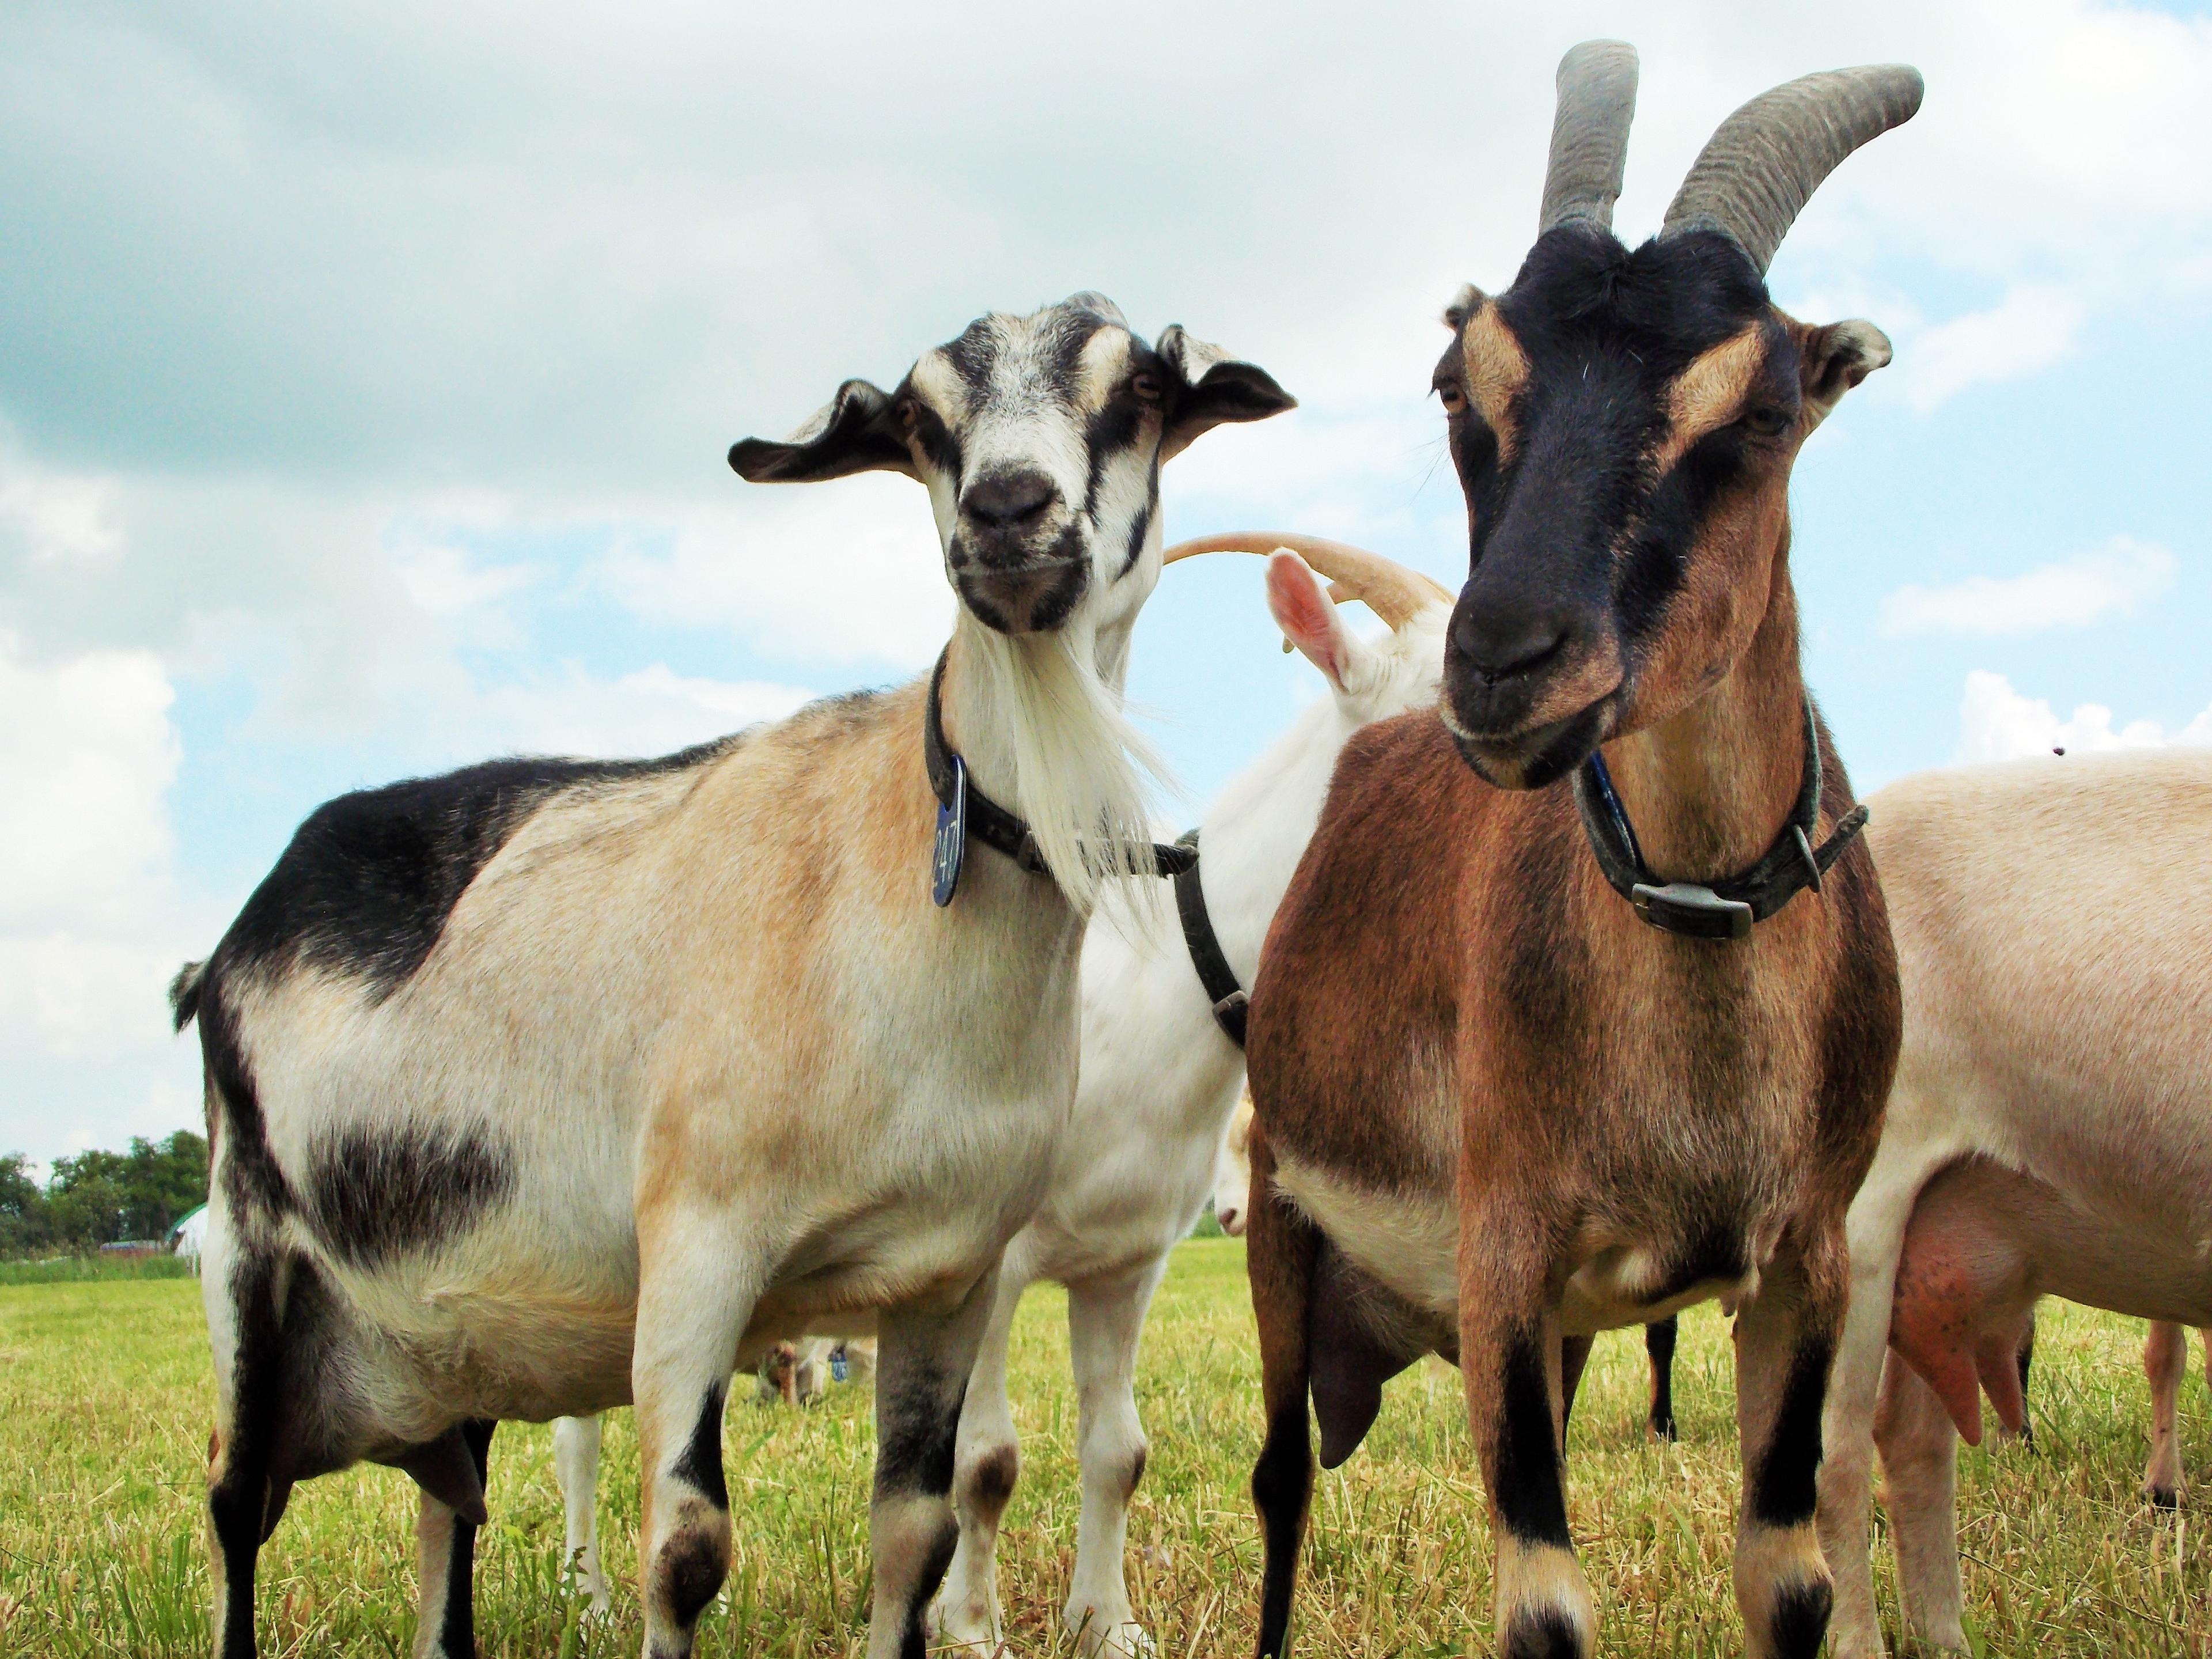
[(1499, 644), (1007, 497)]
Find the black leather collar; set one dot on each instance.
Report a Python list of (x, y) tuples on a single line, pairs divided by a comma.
[(1214, 973), (963, 811), (1725, 909)]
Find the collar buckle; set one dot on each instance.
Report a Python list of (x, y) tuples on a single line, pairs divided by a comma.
[(1691, 910)]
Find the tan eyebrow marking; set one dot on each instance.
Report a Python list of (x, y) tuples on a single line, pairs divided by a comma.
[(1496, 370), (1709, 393)]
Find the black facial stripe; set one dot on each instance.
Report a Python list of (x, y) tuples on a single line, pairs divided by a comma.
[(937, 443), (1139, 527), (1106, 435), (972, 355), (1054, 605)]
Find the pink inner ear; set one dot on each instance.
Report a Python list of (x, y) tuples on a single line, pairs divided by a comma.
[(1303, 611)]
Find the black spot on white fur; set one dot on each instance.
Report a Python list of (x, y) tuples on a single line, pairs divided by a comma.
[(365, 885), (372, 1195)]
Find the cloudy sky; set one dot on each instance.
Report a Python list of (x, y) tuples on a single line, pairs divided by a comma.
[(366, 373)]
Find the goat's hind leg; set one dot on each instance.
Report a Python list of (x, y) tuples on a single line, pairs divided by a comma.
[(240, 1290), (1105, 1322), (2166, 1359), (925, 1356), (986, 1464), (445, 1554), (576, 1464), (1786, 1338), (1510, 1358)]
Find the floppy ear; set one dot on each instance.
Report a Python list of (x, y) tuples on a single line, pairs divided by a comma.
[(855, 432), (1835, 359), (1307, 613), (1215, 387)]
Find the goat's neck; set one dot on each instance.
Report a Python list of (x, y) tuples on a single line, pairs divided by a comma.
[(1709, 788), (977, 729), (1256, 831)]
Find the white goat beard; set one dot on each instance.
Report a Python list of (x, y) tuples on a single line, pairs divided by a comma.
[(1082, 772)]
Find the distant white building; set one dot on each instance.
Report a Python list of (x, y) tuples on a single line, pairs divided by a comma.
[(190, 1233)]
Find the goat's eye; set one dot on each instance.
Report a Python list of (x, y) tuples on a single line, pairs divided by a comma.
[(1449, 395), (1147, 386), (1764, 422)]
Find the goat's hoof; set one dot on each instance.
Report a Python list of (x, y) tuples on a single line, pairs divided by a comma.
[(965, 1629), (2163, 1498), (1099, 1637)]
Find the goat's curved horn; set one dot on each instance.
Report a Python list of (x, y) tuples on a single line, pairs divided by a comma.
[(1766, 159), (1589, 134), (1387, 588)]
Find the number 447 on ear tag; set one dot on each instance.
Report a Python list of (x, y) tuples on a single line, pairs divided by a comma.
[(951, 837)]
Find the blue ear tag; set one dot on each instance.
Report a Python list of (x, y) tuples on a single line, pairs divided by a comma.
[(951, 837)]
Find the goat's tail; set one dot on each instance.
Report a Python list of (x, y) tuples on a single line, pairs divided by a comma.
[(185, 994)]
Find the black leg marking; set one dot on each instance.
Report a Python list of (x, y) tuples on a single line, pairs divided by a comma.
[(693, 1568), (700, 1467), (1574, 1358), (2026, 1358), (1530, 1500), (457, 1634), (914, 1641), (238, 1502), (914, 1454), (1282, 1482), (1546, 1634), (992, 1482), (1783, 1494), (1659, 1347), (1801, 1619)]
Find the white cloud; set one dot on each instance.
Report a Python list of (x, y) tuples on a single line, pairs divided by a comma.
[(1998, 723), (2112, 581), (2033, 327), (654, 711)]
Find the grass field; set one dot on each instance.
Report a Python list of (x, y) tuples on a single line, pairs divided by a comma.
[(104, 1400)]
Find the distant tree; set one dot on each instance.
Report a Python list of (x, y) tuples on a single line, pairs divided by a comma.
[(98, 1197), (24, 1224)]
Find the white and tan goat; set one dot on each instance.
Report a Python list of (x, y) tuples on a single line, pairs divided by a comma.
[(2050, 1132), (546, 1085), (1159, 1080)]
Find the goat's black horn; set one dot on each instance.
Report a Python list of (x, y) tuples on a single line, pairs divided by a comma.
[(1589, 134), (1768, 158)]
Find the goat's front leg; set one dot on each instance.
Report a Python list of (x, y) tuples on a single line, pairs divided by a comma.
[(577, 1465), (1281, 1249), (1659, 1338), (697, 1283), (2166, 1359), (445, 1556), (1105, 1321), (1510, 1356), (1786, 1338), (925, 1356), (987, 1461)]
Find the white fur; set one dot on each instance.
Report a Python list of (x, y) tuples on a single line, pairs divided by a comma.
[(2056, 952)]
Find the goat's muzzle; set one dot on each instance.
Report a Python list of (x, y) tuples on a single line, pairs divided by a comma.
[(1020, 577)]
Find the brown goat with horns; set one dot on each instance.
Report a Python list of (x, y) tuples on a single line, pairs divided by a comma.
[(1496, 1111)]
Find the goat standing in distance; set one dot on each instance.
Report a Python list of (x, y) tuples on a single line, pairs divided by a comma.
[(546, 1084), (1495, 1108)]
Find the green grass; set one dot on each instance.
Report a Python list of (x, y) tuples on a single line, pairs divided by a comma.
[(91, 1269), (104, 1407)]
